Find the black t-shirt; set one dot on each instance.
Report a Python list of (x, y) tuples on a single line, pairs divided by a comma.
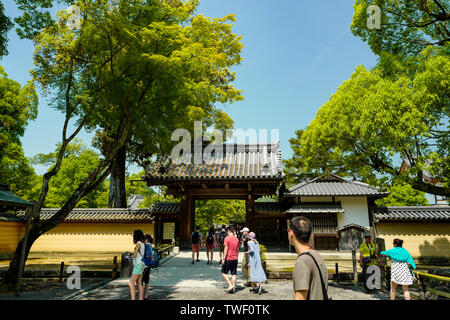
[(245, 241)]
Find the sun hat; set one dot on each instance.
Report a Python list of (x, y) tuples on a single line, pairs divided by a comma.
[(245, 229)]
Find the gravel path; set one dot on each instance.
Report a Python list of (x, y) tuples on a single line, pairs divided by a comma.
[(179, 279)]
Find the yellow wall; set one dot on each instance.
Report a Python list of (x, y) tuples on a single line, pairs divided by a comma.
[(420, 239), (10, 234), (90, 237)]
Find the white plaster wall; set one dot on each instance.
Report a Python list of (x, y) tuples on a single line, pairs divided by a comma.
[(355, 211)]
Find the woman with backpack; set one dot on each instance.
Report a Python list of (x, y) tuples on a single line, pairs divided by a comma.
[(210, 245), (138, 265), (400, 272), (257, 274)]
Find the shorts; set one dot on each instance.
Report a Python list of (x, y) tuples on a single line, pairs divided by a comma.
[(221, 247), (230, 266), (195, 247), (146, 275), (139, 268), (210, 246)]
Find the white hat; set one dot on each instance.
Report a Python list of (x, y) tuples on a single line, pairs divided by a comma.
[(245, 229)]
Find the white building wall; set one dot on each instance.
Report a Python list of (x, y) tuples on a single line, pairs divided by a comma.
[(355, 211)]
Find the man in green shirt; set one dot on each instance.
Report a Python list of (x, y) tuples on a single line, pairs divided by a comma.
[(368, 256)]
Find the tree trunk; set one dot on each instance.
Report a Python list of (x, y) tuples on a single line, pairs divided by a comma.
[(10, 278), (117, 193), (38, 228)]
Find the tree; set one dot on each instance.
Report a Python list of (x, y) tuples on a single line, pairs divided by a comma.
[(220, 212), (372, 120), (78, 162), (406, 27), (402, 194), (18, 106), (5, 26), (294, 168), (132, 71)]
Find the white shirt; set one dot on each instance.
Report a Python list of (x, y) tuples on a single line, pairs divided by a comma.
[(140, 254)]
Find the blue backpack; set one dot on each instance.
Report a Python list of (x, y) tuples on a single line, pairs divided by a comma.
[(150, 258)]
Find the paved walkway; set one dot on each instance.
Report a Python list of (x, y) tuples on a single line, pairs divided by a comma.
[(179, 279)]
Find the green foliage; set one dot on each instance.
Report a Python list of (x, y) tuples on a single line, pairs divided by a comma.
[(373, 119), (294, 168), (220, 212), (407, 27), (77, 164), (18, 106), (5, 26), (141, 68), (402, 194), (263, 251)]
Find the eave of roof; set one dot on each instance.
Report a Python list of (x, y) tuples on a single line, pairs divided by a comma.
[(316, 208), (9, 199), (333, 186), (248, 162), (101, 215), (411, 213)]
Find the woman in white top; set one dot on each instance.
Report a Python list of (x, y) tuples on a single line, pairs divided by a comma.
[(138, 265)]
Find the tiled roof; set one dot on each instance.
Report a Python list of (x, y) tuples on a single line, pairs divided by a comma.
[(242, 162), (10, 200), (166, 208), (316, 208), (268, 207), (420, 213), (101, 215), (10, 217), (333, 186)]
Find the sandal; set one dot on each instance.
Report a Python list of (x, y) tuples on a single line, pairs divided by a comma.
[(232, 290)]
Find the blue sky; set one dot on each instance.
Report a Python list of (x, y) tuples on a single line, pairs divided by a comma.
[(296, 53)]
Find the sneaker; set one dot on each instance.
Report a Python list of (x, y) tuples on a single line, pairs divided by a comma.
[(193, 262), (232, 290), (198, 260), (260, 289)]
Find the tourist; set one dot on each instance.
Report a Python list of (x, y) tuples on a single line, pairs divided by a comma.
[(368, 257), (244, 264), (138, 265), (400, 272), (210, 245), (222, 236), (310, 276), (257, 274), (146, 273), (196, 240), (230, 259)]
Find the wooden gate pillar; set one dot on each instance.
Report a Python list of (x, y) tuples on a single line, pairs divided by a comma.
[(250, 212), (187, 219)]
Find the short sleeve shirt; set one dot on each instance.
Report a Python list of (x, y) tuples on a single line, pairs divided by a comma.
[(233, 247), (245, 242), (199, 237), (305, 276), (367, 250)]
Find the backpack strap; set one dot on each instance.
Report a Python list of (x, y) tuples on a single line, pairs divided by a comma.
[(324, 290)]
